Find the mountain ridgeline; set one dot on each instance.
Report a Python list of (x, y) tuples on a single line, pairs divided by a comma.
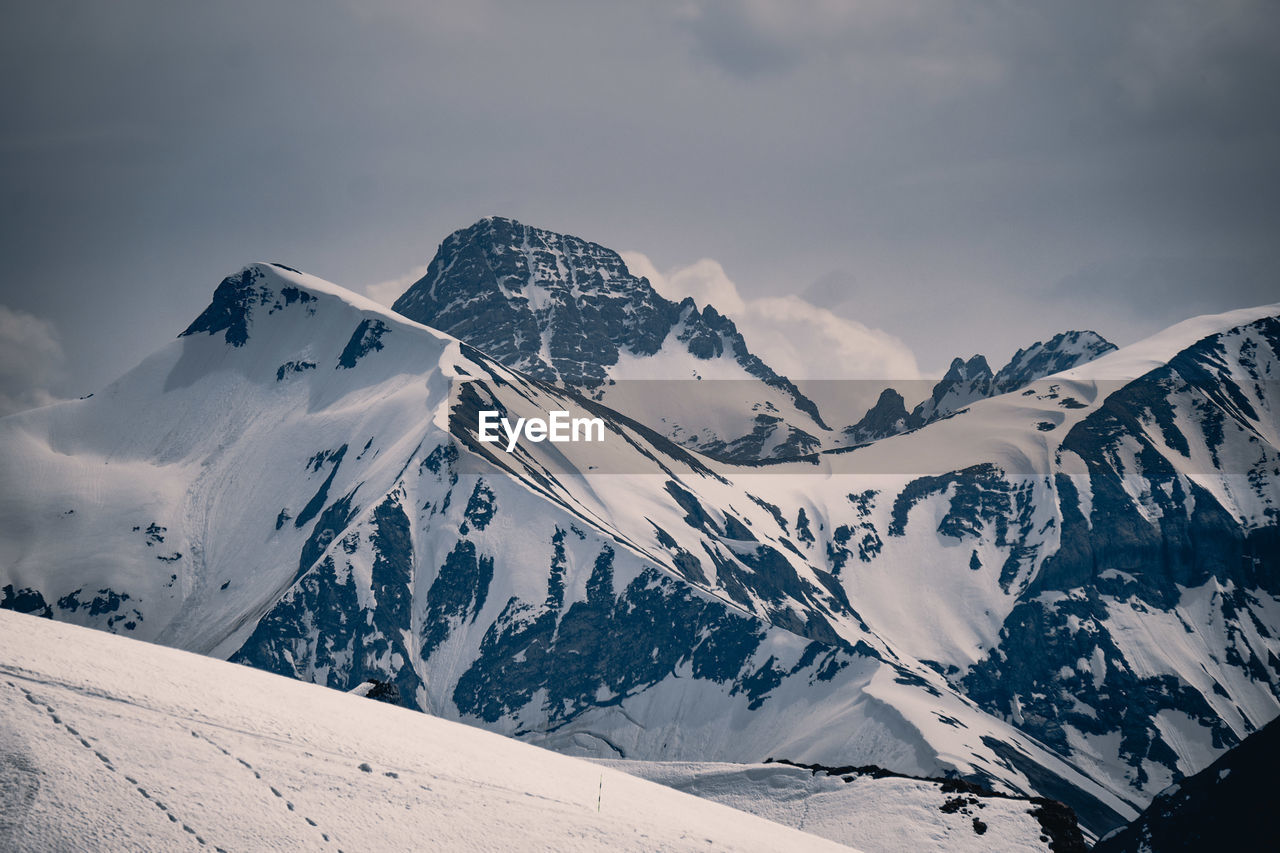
[(966, 382), (1068, 591)]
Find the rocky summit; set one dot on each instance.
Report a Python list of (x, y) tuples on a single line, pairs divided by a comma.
[(967, 381), (553, 306), (566, 310), (1044, 358)]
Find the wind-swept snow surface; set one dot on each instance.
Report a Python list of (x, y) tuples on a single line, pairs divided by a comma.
[(108, 743)]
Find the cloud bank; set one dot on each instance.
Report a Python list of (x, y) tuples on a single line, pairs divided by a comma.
[(793, 336)]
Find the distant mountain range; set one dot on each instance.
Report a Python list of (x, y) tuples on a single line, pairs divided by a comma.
[(967, 382), (1061, 585), (561, 309)]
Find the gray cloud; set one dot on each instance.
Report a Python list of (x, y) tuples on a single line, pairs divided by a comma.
[(31, 361), (953, 162), (741, 38)]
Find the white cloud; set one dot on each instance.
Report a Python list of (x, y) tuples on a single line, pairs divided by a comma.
[(704, 280), (31, 360), (796, 338), (387, 292)]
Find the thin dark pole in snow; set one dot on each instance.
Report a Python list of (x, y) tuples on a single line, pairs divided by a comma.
[(600, 793)]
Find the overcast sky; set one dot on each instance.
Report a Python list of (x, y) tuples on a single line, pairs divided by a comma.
[(933, 179)]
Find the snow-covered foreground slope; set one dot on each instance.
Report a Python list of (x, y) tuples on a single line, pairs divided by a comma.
[(1070, 590), (111, 744), (872, 811)]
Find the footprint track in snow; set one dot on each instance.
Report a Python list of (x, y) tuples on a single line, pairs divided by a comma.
[(107, 763), (274, 790)]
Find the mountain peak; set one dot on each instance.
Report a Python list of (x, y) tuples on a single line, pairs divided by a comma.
[(268, 288), (1063, 351), (964, 382), (563, 309), (236, 296), (888, 416), (961, 370), (505, 231), (554, 306)]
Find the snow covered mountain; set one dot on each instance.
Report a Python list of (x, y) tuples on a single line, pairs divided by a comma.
[(279, 486), (1131, 524), (963, 383), (561, 309), (111, 744), (1071, 591), (1061, 352), (967, 382)]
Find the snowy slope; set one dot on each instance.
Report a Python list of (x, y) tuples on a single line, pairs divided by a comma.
[(871, 810), (1095, 558), (1083, 611), (108, 743)]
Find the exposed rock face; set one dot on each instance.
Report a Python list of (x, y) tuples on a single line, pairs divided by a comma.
[(562, 309), (1061, 352), (889, 416), (550, 305), (966, 382), (380, 691), (1230, 805)]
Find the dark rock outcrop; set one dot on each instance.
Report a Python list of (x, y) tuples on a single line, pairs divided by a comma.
[(1226, 806)]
